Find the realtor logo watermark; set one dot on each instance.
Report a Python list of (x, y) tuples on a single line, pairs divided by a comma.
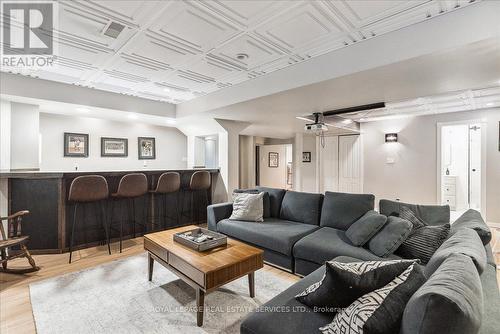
[(28, 34)]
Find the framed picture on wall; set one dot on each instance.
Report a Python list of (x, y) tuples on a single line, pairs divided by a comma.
[(114, 147), (147, 148), (274, 160), (306, 156), (76, 145), (289, 173)]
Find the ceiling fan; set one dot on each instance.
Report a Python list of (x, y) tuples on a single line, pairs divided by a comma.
[(320, 121)]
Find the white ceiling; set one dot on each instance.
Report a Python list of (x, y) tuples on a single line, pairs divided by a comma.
[(175, 51), (448, 75)]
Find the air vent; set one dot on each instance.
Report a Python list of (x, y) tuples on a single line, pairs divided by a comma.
[(113, 29)]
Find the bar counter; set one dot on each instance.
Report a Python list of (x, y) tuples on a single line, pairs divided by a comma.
[(45, 194)]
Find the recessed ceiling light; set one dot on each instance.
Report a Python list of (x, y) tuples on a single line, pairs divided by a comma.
[(166, 90), (85, 110), (242, 56), (170, 121), (347, 121), (132, 116), (489, 104)]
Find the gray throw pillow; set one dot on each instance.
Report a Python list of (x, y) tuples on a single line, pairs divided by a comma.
[(472, 219), (248, 207), (390, 237), (365, 227), (464, 241), (450, 302)]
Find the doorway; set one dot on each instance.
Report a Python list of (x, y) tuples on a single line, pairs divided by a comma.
[(461, 157)]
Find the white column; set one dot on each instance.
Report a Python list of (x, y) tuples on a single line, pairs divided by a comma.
[(229, 152), (298, 144), (25, 136)]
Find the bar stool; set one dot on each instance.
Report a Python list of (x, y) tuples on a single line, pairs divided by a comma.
[(200, 183), (131, 186), (89, 189), (168, 183)]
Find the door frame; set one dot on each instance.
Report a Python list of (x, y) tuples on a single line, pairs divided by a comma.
[(484, 142)]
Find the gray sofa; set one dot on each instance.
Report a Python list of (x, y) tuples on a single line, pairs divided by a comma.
[(301, 231)]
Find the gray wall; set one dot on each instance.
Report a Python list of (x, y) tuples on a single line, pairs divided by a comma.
[(413, 176), (171, 144)]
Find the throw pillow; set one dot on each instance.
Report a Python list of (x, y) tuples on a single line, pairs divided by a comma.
[(365, 227), (409, 215), (390, 237), (423, 242), (381, 310), (343, 283), (472, 219), (249, 207)]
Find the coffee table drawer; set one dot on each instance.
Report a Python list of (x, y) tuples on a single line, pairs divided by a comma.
[(187, 269), (152, 247)]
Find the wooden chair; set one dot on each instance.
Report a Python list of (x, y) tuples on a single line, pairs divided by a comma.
[(14, 238)]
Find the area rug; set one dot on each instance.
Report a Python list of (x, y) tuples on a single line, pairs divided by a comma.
[(118, 298)]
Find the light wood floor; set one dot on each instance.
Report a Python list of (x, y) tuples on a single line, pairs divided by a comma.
[(15, 306)]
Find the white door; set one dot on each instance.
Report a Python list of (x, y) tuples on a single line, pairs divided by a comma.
[(329, 165), (350, 180), (475, 167)]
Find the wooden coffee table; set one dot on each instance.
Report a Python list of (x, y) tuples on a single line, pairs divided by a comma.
[(204, 271)]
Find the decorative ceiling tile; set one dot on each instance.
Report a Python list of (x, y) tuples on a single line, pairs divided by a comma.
[(178, 50)]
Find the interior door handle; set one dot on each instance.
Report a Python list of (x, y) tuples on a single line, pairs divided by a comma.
[(473, 169)]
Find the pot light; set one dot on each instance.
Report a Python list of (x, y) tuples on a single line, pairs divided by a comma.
[(84, 110), (242, 56), (166, 90), (347, 121), (170, 121), (489, 104), (133, 116), (391, 137)]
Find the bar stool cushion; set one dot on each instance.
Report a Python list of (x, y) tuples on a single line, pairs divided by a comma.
[(132, 185), (88, 188), (200, 180), (168, 182)]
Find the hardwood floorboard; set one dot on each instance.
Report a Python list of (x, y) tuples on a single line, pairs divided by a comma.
[(16, 315), (15, 307)]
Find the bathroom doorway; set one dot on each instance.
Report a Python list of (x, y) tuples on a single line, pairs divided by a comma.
[(461, 161)]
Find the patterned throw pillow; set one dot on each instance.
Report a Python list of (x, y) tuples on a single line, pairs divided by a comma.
[(379, 311), (423, 242), (406, 213), (343, 283)]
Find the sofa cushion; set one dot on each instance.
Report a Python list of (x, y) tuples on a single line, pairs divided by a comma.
[(449, 302), (343, 283), (301, 207), (327, 243), (275, 198), (275, 234), (340, 210), (289, 316), (430, 214), (464, 241), (266, 200), (390, 237), (365, 227), (381, 310), (472, 219), (491, 301)]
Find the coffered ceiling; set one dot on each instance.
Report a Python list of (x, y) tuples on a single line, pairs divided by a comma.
[(175, 51)]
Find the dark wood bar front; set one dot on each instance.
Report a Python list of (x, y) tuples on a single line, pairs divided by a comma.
[(45, 195)]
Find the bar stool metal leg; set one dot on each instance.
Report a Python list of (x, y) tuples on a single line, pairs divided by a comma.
[(72, 232)]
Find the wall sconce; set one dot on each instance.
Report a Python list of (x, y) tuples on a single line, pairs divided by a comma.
[(391, 137)]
